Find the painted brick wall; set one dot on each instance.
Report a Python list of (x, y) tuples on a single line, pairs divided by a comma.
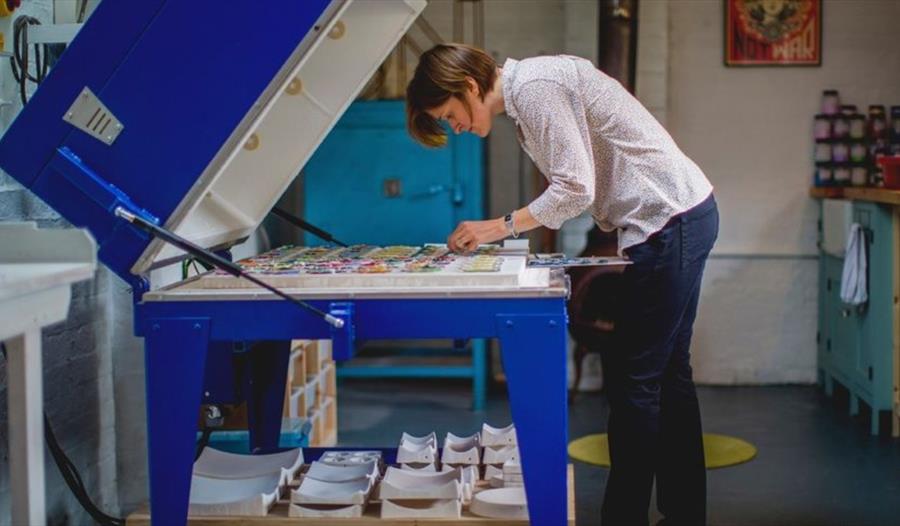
[(78, 354), (750, 130)]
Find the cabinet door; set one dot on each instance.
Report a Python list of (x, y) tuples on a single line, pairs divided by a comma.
[(369, 182), (843, 325), (874, 371), (823, 340)]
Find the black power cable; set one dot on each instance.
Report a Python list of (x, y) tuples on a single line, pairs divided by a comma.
[(71, 475), (20, 58)]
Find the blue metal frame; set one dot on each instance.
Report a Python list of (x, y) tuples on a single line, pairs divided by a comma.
[(179, 91), (179, 334)]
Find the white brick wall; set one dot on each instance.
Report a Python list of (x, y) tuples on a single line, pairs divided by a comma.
[(78, 354), (750, 130)]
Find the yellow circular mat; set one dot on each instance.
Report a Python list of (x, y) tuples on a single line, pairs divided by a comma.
[(720, 450)]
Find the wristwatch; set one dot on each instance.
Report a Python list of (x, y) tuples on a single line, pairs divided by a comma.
[(510, 226)]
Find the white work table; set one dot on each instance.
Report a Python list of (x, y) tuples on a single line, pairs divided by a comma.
[(37, 268)]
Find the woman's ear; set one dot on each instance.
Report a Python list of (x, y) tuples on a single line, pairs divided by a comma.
[(473, 86)]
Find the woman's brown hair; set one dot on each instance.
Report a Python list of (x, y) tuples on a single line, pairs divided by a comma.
[(442, 73)]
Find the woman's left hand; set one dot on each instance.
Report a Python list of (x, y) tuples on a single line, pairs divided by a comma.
[(469, 234)]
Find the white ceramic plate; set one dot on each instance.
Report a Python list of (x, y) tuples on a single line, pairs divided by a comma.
[(500, 503), (427, 509), (332, 473), (405, 484), (224, 465), (498, 436), (234, 497), (312, 491)]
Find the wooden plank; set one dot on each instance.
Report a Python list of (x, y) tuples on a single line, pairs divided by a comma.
[(875, 195), (279, 516), (826, 192)]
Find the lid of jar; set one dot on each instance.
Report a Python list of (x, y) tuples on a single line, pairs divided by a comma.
[(830, 92), (876, 108), (895, 111), (858, 117), (824, 164), (848, 109), (824, 116)]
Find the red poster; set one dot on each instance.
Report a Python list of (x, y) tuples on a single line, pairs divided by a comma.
[(773, 32)]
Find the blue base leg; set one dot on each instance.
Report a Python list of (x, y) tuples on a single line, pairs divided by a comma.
[(265, 396), (534, 361), (175, 357), (479, 374)]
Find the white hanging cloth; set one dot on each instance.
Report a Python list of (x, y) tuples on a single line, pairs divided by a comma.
[(854, 289)]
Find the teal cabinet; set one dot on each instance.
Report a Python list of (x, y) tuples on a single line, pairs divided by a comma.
[(369, 182), (855, 344)]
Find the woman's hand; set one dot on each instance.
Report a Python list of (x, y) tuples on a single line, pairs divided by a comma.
[(469, 234)]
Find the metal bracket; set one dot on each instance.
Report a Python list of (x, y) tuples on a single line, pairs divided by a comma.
[(104, 194), (92, 117), (343, 344)]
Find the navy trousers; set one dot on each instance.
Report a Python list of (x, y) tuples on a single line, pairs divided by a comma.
[(654, 423)]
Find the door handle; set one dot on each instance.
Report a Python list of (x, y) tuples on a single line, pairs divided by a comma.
[(455, 190)]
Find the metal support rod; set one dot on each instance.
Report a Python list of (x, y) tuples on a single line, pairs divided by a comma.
[(219, 262), (414, 47), (303, 225), (429, 31)]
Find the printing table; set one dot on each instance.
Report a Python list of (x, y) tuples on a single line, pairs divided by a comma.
[(181, 325), (197, 120), (37, 268)]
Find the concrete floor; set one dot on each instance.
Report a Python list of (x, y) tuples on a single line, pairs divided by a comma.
[(815, 465)]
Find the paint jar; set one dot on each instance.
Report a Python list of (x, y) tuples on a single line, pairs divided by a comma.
[(824, 174), (857, 126), (859, 174), (841, 174), (823, 152), (831, 102), (895, 124), (858, 152), (877, 128), (822, 126), (841, 128), (840, 152)]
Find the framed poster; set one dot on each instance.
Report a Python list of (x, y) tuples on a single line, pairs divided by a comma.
[(773, 32)]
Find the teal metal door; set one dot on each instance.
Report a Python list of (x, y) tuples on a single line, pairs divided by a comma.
[(369, 182)]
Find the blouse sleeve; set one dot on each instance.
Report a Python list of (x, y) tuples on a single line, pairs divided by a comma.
[(545, 108)]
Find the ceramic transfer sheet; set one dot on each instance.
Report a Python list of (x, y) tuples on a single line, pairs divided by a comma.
[(367, 266)]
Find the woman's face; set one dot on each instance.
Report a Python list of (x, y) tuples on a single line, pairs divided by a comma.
[(454, 113)]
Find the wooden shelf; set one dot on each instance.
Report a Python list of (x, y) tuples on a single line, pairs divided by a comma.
[(857, 193), (876, 195), (826, 192), (279, 516)]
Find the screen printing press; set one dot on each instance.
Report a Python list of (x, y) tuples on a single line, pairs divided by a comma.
[(193, 118)]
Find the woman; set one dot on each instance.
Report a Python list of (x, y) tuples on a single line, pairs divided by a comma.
[(602, 151)]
